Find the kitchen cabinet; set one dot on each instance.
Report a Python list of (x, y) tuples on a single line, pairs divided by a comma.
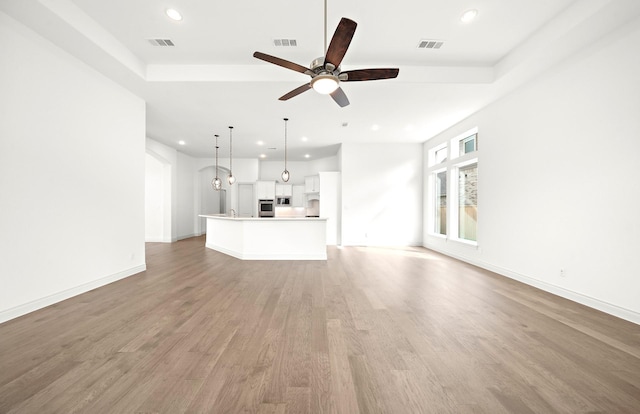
[(284, 190), (297, 197), (266, 190), (312, 184)]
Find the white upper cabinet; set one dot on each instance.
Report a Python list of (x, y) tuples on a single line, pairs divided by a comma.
[(312, 184), (284, 190), (266, 190)]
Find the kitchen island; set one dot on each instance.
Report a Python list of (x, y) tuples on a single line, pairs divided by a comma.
[(273, 238)]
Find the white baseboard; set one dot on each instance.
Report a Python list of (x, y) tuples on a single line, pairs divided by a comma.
[(188, 236), (157, 240), (589, 301), (29, 307)]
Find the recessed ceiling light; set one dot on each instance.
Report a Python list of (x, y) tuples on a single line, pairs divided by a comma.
[(375, 127), (263, 156), (181, 142), (261, 143), (305, 139), (468, 15), (307, 155), (174, 14)]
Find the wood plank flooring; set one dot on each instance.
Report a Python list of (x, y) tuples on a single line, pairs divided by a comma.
[(371, 330)]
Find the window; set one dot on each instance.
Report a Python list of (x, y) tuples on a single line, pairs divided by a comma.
[(453, 172), (440, 206), (438, 155), (467, 145), (467, 201), (464, 144)]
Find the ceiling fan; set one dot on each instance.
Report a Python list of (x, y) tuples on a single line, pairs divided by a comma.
[(325, 71)]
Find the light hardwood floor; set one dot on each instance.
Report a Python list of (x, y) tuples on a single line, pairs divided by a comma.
[(371, 330)]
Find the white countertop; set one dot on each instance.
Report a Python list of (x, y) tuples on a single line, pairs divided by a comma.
[(225, 217)]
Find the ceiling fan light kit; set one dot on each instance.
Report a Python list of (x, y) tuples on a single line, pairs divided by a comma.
[(325, 84), (325, 71)]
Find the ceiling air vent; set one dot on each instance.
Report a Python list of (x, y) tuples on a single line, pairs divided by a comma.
[(430, 44), (160, 42), (285, 42)]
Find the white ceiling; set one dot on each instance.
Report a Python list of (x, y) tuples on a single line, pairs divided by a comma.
[(210, 80)]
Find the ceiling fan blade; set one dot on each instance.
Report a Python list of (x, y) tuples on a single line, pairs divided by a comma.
[(339, 96), (280, 62), (295, 92), (369, 74), (340, 41)]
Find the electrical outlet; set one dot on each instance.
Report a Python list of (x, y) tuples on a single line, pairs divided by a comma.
[(563, 273)]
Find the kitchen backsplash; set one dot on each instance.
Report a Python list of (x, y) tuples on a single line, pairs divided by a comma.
[(313, 208), (290, 212)]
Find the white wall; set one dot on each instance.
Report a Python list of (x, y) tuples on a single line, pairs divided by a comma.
[(244, 169), (558, 186), (191, 178), (209, 200), (71, 174), (187, 175), (272, 170), (186, 203), (323, 165), (169, 158), (381, 194), (154, 184)]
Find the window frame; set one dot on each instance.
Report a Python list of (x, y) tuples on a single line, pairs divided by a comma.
[(452, 165)]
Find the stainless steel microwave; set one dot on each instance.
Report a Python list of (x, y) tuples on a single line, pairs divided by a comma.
[(283, 201)]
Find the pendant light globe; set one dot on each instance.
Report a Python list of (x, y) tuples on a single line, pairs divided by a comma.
[(216, 183)]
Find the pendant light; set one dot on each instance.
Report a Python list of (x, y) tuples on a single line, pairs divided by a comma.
[(285, 174), (216, 183), (231, 178)]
